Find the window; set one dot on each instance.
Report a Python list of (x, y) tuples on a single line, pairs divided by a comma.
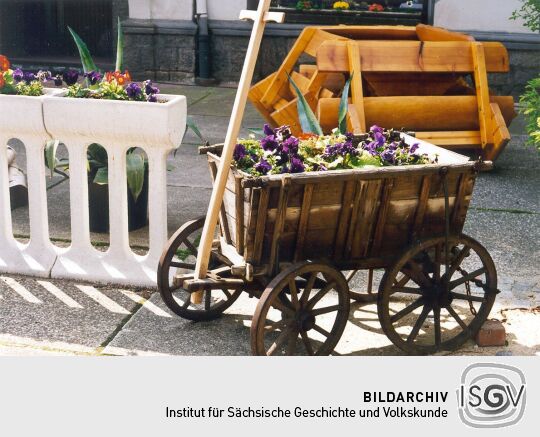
[(407, 12), (38, 28)]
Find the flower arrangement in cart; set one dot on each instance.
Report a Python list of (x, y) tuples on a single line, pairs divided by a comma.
[(279, 151)]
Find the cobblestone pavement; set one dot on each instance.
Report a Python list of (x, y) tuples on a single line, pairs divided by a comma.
[(53, 317)]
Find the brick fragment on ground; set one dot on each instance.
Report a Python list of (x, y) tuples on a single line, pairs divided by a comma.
[(492, 333)]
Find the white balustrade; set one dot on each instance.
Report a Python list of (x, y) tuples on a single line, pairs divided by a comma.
[(157, 128)]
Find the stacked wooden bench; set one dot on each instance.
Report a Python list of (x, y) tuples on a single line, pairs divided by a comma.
[(425, 79)]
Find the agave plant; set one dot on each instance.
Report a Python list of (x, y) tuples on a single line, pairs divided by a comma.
[(308, 120)]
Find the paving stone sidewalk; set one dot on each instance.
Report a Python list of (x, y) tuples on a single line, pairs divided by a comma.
[(50, 317)]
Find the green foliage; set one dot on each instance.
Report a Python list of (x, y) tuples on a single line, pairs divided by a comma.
[(530, 107), (344, 106), (308, 120), (120, 48), (529, 13), (86, 58)]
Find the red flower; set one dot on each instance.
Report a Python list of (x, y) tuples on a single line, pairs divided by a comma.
[(2, 81), (4, 63), (376, 7), (120, 78)]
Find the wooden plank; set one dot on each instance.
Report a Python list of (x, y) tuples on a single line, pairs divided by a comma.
[(381, 218), (501, 135), (224, 223), (411, 56), (359, 198), (357, 91), (421, 208), (353, 120), (318, 38), (431, 33), (410, 84), (278, 225), (344, 217), (459, 199), (255, 95), (303, 222), (366, 219), (307, 70), (384, 32), (482, 94), (456, 138), (262, 213), (280, 79), (239, 215)]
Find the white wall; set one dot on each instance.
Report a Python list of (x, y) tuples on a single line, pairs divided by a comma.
[(161, 9), (480, 15), (225, 9)]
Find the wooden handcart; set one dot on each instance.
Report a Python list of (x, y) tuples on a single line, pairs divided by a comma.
[(296, 242)]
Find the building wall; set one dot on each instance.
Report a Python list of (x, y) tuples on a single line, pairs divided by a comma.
[(166, 49), (479, 15)]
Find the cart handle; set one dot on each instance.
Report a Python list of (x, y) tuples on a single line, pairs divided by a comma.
[(260, 18)]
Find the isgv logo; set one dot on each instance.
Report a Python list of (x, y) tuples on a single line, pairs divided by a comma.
[(491, 395)]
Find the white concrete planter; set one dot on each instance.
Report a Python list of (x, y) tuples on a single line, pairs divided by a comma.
[(157, 128), (22, 119)]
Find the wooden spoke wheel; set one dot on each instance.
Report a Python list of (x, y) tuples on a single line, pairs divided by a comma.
[(423, 308), (180, 257), (302, 316)]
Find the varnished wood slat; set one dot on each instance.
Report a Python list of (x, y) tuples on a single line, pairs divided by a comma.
[(366, 219), (255, 95), (357, 90), (279, 223), (460, 201), (303, 222), (239, 215), (418, 113), (411, 56), (431, 33), (381, 219), (262, 214), (501, 135), (280, 79), (422, 206), (482, 94), (359, 199), (344, 217), (224, 223)]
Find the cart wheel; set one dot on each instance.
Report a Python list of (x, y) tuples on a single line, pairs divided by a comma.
[(294, 315), (423, 309), (180, 257)]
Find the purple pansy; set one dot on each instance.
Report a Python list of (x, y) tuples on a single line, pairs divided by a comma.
[(389, 156), (414, 148), (297, 166), (29, 77), (18, 75), (152, 98), (93, 77), (376, 129), (149, 88), (70, 77), (282, 133), (290, 145), (239, 152), (268, 130), (263, 166), (269, 143), (134, 91)]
